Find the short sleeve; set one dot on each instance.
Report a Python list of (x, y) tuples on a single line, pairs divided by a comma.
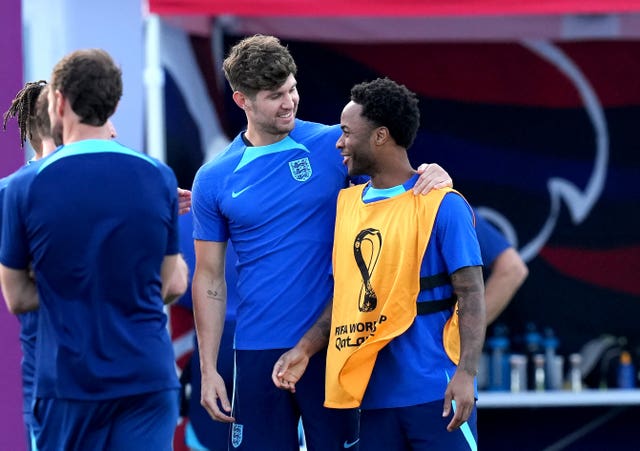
[(456, 234), (14, 252), (209, 224)]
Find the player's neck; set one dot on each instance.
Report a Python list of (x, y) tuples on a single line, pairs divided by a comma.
[(262, 139), (48, 146), (392, 173), (80, 132)]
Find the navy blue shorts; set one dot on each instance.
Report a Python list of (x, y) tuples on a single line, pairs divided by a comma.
[(145, 421), (267, 417), (416, 428)]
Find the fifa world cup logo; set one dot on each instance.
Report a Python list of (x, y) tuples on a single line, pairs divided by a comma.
[(366, 251)]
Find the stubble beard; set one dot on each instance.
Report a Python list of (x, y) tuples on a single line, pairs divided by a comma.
[(276, 130), (361, 166), (57, 133)]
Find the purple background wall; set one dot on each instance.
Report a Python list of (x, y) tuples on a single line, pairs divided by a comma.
[(11, 157)]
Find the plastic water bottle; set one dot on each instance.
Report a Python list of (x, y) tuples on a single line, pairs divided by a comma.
[(518, 363), (499, 365), (483, 371), (575, 372), (626, 371), (539, 372), (553, 373), (533, 346)]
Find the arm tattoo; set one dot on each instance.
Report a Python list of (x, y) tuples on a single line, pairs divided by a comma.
[(324, 327), (469, 288), (215, 295)]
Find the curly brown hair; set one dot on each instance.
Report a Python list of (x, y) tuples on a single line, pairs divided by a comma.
[(92, 82), (258, 63)]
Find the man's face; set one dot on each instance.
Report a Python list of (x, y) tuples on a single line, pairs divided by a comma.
[(56, 121), (356, 141), (273, 112)]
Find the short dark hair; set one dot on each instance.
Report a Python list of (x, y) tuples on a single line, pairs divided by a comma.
[(92, 83), (258, 63), (389, 104)]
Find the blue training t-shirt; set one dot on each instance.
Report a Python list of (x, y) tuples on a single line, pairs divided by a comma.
[(96, 219), (414, 368), (277, 205)]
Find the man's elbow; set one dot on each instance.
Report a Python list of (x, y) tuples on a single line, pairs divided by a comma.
[(179, 282), (18, 290), (176, 290), (12, 306), (520, 271), (510, 268), (16, 305), (18, 309)]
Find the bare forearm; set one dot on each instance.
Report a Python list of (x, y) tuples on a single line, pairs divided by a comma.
[(177, 282), (508, 272), (469, 288), (317, 337), (209, 309), (19, 290)]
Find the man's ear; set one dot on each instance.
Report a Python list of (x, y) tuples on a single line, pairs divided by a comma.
[(381, 135), (240, 99), (60, 103)]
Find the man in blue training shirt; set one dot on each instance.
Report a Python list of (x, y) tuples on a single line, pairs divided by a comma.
[(98, 223), (272, 192)]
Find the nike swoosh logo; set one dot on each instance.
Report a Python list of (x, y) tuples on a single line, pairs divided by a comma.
[(349, 445), (235, 194)]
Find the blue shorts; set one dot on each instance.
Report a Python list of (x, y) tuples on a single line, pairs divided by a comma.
[(267, 417), (416, 428), (145, 421)]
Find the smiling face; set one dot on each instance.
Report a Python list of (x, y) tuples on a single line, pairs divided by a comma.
[(271, 113), (357, 141)]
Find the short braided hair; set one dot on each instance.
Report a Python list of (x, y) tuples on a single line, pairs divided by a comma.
[(23, 108)]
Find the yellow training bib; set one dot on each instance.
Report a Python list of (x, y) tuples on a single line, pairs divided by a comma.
[(377, 254)]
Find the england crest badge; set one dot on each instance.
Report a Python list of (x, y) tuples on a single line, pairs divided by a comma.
[(301, 169), (236, 435)]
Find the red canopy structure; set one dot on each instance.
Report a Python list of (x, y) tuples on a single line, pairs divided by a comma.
[(408, 20), (389, 8)]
